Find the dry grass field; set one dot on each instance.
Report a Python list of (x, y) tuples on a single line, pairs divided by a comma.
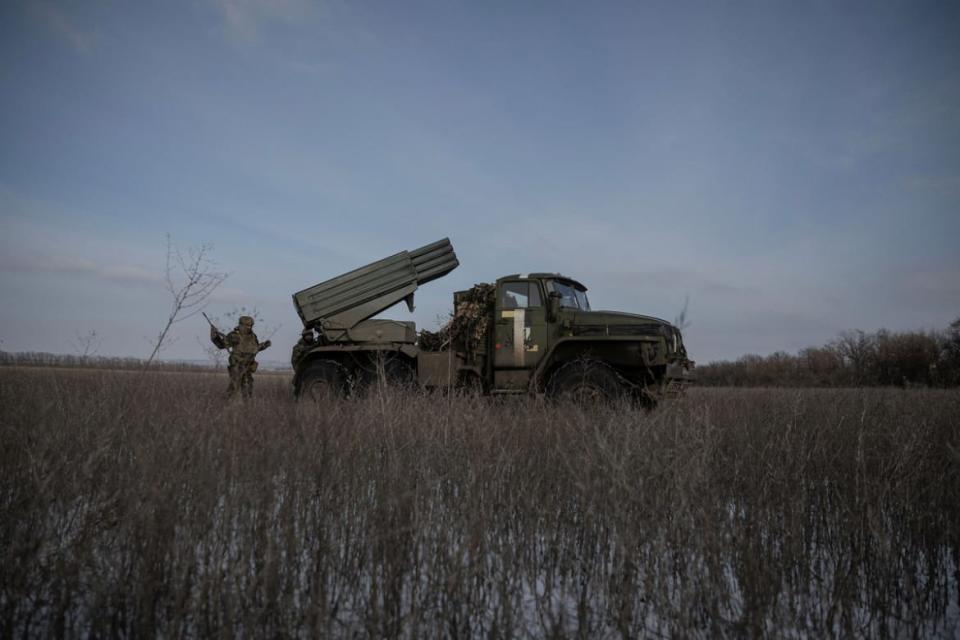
[(141, 507)]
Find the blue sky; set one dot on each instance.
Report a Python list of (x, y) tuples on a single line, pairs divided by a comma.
[(792, 168)]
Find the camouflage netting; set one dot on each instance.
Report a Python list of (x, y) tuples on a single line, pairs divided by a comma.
[(468, 325), (433, 340)]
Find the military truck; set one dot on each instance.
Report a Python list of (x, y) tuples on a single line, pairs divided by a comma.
[(529, 333)]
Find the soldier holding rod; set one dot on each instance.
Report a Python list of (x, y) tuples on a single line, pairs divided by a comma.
[(244, 346)]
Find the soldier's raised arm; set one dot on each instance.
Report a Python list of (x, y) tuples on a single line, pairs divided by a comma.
[(217, 338), (264, 345)]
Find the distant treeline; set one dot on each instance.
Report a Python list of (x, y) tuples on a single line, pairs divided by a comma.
[(855, 358), (42, 359)]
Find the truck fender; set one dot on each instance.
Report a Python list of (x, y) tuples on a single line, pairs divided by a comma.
[(562, 347), (344, 353)]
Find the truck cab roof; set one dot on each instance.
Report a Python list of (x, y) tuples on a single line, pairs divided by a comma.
[(544, 276)]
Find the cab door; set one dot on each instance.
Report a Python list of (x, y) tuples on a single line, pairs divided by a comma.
[(521, 336)]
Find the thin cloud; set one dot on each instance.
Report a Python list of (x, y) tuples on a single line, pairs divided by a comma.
[(76, 266), (58, 22), (229, 295), (244, 18), (117, 273), (945, 185), (929, 288), (686, 279)]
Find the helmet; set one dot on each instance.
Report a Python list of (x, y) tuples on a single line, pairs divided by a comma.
[(245, 321)]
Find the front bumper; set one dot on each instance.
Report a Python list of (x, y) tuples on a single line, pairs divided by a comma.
[(679, 376), (680, 371)]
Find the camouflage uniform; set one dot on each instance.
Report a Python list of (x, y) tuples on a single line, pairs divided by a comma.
[(244, 347), (305, 344)]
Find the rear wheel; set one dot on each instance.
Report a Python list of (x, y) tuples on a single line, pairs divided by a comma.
[(398, 372), (382, 370), (322, 380), (585, 382)]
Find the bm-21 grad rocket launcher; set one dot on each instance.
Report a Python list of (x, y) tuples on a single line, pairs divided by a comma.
[(525, 333)]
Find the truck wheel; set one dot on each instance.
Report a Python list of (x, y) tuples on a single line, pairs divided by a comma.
[(322, 380), (398, 372), (585, 382)]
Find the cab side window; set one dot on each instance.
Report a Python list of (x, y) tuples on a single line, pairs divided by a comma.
[(519, 295), (568, 295)]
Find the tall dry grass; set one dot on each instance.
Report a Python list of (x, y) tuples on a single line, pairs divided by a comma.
[(158, 509)]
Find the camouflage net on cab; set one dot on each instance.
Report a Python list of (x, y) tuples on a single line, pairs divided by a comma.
[(468, 325), (433, 340)]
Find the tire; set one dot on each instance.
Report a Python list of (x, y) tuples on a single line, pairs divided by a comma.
[(399, 373), (322, 380), (585, 382), (382, 371)]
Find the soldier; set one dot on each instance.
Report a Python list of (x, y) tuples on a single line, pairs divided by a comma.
[(306, 342), (244, 347)]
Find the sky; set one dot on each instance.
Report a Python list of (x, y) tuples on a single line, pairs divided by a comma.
[(788, 170)]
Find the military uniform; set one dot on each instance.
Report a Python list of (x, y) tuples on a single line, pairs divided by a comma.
[(244, 347), (305, 344)]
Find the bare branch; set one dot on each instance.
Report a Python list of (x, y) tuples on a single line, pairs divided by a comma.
[(682, 321), (190, 279), (87, 345)]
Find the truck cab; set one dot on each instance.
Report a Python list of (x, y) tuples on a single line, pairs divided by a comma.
[(546, 335)]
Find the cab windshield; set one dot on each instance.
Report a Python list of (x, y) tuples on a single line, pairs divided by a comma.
[(572, 297)]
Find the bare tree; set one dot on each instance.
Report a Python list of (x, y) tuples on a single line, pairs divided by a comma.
[(682, 321), (950, 354), (190, 278), (859, 351), (86, 345)]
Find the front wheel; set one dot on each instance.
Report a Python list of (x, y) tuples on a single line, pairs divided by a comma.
[(322, 380), (585, 382)]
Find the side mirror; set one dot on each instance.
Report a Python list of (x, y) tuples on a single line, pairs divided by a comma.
[(553, 306)]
